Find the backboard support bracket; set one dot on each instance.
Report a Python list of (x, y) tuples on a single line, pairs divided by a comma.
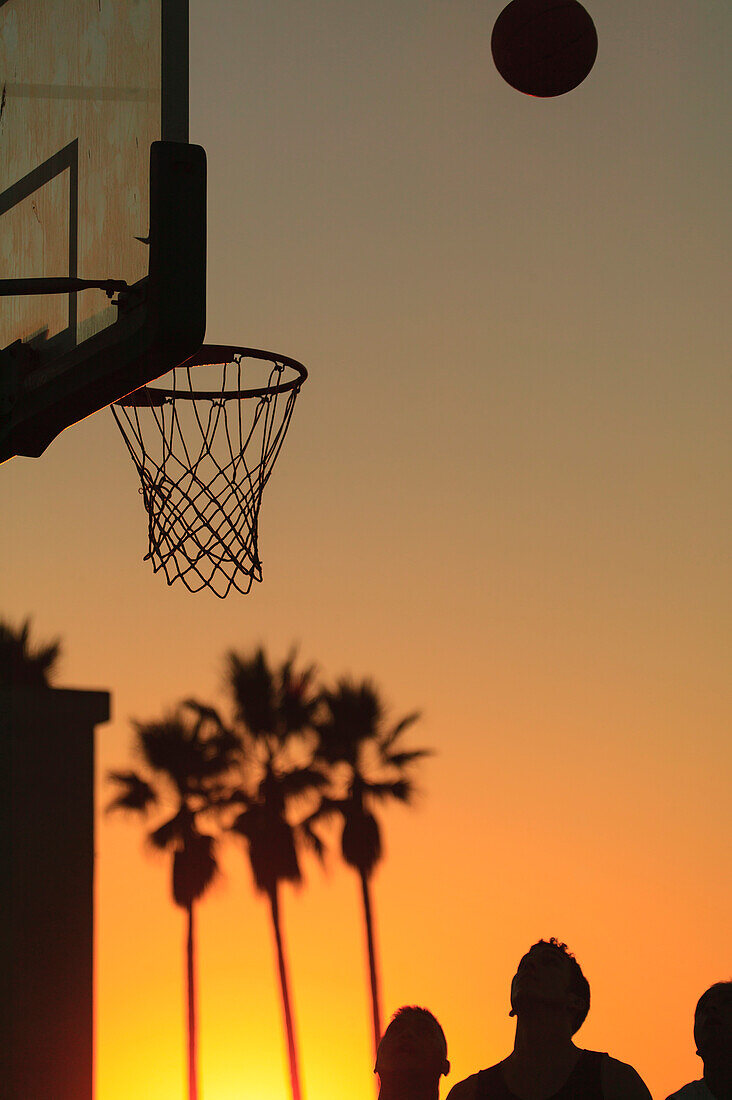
[(64, 284)]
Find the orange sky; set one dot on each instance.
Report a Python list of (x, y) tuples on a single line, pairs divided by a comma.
[(505, 496)]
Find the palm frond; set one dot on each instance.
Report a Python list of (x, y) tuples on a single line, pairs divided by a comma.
[(297, 700), (301, 781), (225, 797), (251, 684), (352, 716), (188, 747), (136, 794), (402, 759), (399, 789), (311, 838), (334, 746), (399, 729), (164, 748), (204, 712), (174, 832), (328, 808), (23, 663)]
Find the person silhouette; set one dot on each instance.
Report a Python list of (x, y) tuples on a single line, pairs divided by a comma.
[(550, 998), (713, 1038), (412, 1056)]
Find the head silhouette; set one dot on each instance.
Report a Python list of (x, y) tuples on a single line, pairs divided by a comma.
[(549, 976), (412, 1056), (713, 1025)]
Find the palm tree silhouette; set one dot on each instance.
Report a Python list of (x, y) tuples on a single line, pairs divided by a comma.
[(189, 752), (24, 664), (274, 710), (368, 765)]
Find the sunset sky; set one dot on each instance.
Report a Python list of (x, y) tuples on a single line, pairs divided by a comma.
[(505, 496)]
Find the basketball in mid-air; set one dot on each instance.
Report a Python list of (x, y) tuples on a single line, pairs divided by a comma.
[(544, 47)]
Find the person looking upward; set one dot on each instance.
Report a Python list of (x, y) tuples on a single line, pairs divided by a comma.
[(713, 1038), (550, 998), (412, 1056)]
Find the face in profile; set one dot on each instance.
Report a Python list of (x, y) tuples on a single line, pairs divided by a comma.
[(544, 976), (713, 1023)]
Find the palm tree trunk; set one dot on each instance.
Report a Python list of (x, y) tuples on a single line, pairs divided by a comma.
[(373, 976), (285, 990), (191, 992)]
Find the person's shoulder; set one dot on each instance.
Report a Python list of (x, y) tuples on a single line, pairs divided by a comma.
[(467, 1089), (695, 1090), (621, 1082)]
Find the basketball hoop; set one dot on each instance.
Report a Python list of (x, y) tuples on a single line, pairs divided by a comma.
[(204, 448)]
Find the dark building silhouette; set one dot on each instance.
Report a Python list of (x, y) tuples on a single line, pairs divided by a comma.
[(47, 843)]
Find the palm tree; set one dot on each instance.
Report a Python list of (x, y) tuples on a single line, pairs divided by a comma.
[(368, 765), (188, 753), (24, 664), (274, 711)]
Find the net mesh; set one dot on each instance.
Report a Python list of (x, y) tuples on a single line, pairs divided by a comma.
[(203, 458)]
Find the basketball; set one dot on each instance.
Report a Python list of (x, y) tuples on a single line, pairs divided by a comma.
[(544, 47)]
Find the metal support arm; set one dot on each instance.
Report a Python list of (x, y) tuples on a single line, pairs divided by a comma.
[(64, 285)]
